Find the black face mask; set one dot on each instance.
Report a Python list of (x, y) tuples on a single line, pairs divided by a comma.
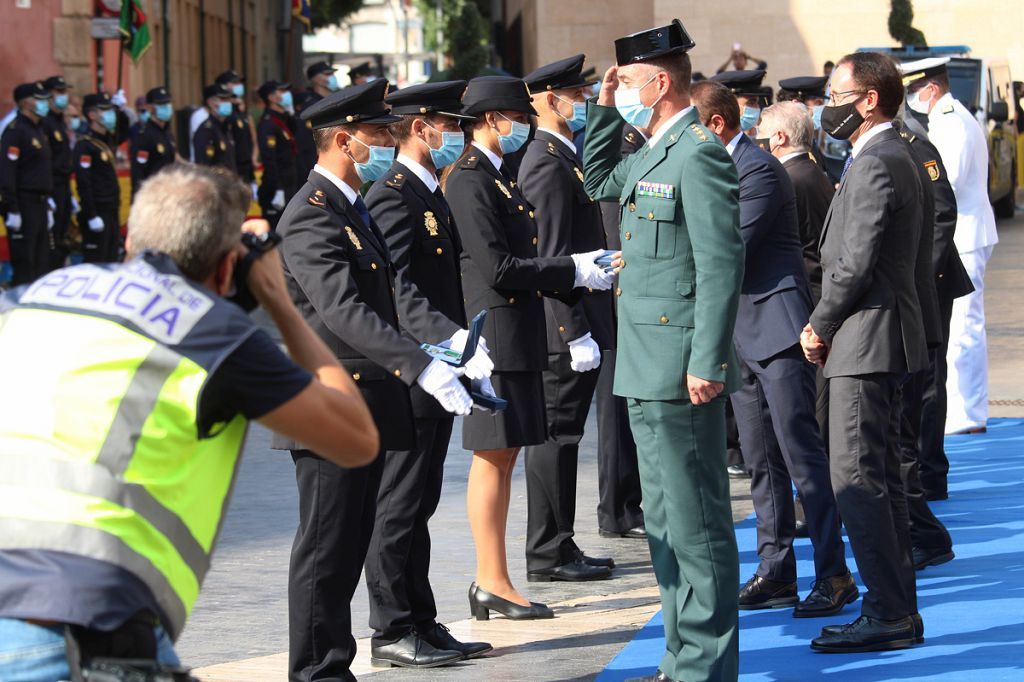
[(841, 121)]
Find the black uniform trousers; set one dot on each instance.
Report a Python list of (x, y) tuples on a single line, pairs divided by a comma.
[(733, 450), (398, 561), (775, 415), (551, 466), (618, 475), (864, 424), (336, 512), (821, 408), (30, 246), (933, 465), (926, 531), (105, 246), (58, 253)]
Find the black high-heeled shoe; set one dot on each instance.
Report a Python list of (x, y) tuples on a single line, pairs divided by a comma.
[(482, 602)]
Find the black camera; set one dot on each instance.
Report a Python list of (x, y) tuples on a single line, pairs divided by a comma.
[(256, 245)]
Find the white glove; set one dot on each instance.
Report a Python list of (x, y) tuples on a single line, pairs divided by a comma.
[(441, 382), (585, 354), (75, 206), (480, 365), (13, 222), (118, 99), (52, 204), (278, 200), (96, 224), (486, 388), (589, 274), (49, 220), (255, 190)]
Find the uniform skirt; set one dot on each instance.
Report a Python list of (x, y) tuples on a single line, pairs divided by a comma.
[(522, 423)]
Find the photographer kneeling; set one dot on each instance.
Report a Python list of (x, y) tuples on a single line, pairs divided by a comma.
[(128, 389)]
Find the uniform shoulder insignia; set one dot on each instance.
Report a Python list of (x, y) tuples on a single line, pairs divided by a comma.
[(933, 169), (631, 137), (698, 133), (948, 109), (907, 136), (551, 149), (272, 141), (160, 148), (317, 198), (396, 180), (208, 123), (470, 162)]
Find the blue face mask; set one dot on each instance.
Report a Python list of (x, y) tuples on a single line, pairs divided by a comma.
[(75, 123), (631, 109), (579, 115), (42, 107), (516, 137), (452, 145), (143, 116), (164, 112), (816, 115), (224, 109), (749, 118), (377, 165), (238, 90), (60, 101), (108, 118), (332, 83), (286, 101)]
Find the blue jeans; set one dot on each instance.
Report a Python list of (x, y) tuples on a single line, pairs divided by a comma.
[(35, 653)]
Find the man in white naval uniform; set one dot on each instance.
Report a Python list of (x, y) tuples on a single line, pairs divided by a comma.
[(958, 136)]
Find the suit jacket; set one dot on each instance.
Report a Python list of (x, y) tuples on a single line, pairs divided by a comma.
[(632, 141), (568, 221), (814, 192), (340, 276), (679, 287), (426, 249), (775, 300), (869, 309), (501, 271)]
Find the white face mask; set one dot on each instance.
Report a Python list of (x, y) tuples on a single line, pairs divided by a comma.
[(915, 103)]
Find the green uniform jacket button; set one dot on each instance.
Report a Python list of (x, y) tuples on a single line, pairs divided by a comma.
[(664, 319)]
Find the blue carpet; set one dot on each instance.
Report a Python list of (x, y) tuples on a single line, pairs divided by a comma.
[(973, 607)]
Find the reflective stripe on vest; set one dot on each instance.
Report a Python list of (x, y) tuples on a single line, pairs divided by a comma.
[(100, 454)]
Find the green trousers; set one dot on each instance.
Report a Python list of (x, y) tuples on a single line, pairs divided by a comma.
[(688, 516)]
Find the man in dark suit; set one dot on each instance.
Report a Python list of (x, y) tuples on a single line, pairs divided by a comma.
[(868, 332), (425, 247), (339, 271), (568, 221), (775, 405)]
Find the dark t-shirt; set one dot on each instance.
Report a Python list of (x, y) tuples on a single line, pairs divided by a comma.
[(66, 588)]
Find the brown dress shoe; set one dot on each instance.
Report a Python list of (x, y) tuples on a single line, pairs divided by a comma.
[(828, 597)]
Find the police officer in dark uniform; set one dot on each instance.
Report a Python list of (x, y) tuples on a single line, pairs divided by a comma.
[(339, 271), (213, 143), (810, 91), (568, 221), (26, 183), (99, 191), (425, 246), (240, 126), (360, 73), (322, 82), (276, 136), (60, 150), (153, 148)]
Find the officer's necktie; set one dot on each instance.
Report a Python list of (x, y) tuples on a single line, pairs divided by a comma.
[(439, 195), (364, 213), (846, 166)]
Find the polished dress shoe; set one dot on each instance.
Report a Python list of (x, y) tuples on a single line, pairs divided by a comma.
[(594, 561), (736, 471), (924, 558), (638, 533), (800, 530), (412, 651), (828, 597), (574, 571), (482, 602), (915, 617), (868, 634), (441, 637), (761, 593)]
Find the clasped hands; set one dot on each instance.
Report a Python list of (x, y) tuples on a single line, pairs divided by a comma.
[(814, 347)]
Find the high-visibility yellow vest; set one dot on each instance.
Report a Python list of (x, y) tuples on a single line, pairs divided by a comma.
[(101, 451)]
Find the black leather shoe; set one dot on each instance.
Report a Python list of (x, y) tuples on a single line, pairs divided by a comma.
[(482, 602), (915, 617), (761, 593), (923, 558), (828, 597), (440, 637), (638, 533), (412, 651), (574, 571), (801, 530), (868, 634), (594, 561), (736, 471)]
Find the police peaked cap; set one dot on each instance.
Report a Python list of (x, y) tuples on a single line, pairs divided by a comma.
[(354, 104), (497, 93), (742, 83), (160, 95), (35, 89), (805, 86), (561, 75), (443, 98), (923, 68)]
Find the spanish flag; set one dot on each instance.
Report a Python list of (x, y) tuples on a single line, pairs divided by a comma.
[(134, 27), (301, 11)]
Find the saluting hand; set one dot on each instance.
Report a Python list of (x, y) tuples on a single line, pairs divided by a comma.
[(609, 84)]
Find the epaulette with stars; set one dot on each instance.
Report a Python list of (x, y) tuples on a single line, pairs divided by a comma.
[(551, 149), (470, 162), (396, 181), (907, 136), (318, 198), (698, 133)]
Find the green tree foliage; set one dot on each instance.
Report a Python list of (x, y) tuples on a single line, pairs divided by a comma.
[(331, 12), (464, 34), (901, 20)]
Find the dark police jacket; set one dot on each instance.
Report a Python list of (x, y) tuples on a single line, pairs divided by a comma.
[(213, 144), (775, 301), (568, 221), (425, 248), (152, 149), (96, 173), (25, 162), (500, 268), (341, 278), (240, 126), (306, 154), (814, 192), (276, 135), (60, 145)]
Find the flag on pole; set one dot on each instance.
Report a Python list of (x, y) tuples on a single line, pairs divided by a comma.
[(134, 26), (301, 11)]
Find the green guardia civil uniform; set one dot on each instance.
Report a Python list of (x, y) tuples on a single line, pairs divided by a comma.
[(678, 292)]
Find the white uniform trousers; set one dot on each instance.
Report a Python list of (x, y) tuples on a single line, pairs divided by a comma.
[(967, 357)]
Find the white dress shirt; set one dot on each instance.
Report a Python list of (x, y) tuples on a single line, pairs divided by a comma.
[(491, 156), (417, 169), (863, 139), (664, 128), (349, 193), (561, 138)]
